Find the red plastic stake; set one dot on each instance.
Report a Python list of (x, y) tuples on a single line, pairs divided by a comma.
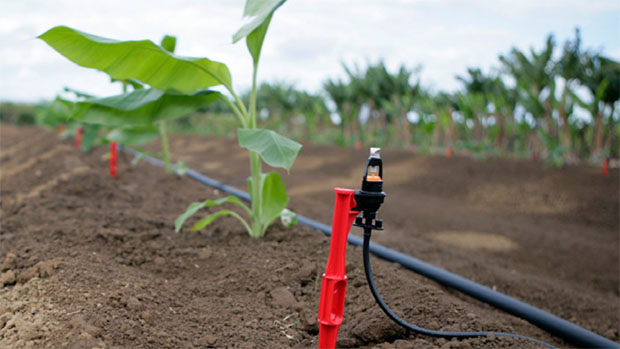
[(78, 137), (449, 152), (605, 169), (113, 158), (334, 283), (358, 145), (534, 157)]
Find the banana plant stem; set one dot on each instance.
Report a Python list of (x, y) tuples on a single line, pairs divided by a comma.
[(255, 168), (164, 145)]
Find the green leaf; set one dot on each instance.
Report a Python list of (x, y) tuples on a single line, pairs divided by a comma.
[(141, 107), (261, 10), (274, 198), (209, 219), (135, 84), (255, 40), (141, 60), (77, 93), (256, 7), (169, 43), (288, 218), (276, 150), (90, 137), (196, 206), (127, 101), (231, 199), (133, 135), (57, 112), (191, 210)]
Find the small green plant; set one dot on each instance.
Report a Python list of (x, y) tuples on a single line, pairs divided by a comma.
[(138, 117), (134, 118), (180, 77)]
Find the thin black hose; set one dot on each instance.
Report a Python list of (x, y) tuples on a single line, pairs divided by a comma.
[(420, 330)]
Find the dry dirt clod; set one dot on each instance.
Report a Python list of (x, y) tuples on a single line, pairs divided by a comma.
[(403, 344), (211, 340), (28, 274), (309, 322), (10, 262), (377, 330), (7, 278), (47, 268), (4, 318), (347, 342), (81, 325), (133, 304), (281, 296), (147, 316)]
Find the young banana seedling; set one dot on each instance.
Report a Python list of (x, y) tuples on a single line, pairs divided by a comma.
[(181, 77)]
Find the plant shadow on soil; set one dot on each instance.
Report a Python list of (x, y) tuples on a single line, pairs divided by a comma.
[(89, 261)]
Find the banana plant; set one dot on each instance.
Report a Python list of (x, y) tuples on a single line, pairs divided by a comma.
[(56, 113), (153, 65), (139, 116), (60, 112)]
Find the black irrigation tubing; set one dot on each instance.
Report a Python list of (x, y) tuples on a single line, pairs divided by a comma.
[(566, 330)]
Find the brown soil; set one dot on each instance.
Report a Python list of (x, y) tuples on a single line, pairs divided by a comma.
[(87, 261)]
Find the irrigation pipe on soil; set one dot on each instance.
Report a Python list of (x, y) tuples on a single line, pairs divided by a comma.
[(566, 330)]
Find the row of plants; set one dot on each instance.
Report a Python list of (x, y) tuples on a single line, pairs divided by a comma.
[(559, 103)]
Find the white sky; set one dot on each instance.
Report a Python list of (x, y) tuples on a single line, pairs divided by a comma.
[(307, 40)]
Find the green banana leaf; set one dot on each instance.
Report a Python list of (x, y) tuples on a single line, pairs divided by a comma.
[(261, 10), (77, 93), (275, 149), (141, 107), (57, 112), (273, 198), (169, 43), (141, 60)]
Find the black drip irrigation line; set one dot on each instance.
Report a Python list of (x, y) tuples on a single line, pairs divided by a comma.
[(420, 330), (566, 330)]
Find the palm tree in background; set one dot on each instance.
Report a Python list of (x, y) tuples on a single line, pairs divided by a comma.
[(570, 68), (473, 100), (342, 95), (514, 107), (602, 78), (535, 79)]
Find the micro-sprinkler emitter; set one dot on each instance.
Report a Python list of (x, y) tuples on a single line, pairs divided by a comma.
[(347, 208)]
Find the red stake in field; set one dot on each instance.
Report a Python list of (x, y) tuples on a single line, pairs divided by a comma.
[(78, 137), (334, 283), (605, 169), (358, 145), (113, 159), (449, 152)]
